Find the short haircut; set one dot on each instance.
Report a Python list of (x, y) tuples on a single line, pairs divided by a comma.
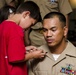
[(31, 7), (58, 15)]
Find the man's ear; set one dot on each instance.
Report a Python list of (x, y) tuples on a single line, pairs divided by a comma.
[(65, 31), (26, 13)]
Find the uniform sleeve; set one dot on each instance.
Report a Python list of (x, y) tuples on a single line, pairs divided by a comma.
[(16, 48), (65, 7), (8, 1)]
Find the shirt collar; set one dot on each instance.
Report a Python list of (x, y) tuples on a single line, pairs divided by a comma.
[(70, 49)]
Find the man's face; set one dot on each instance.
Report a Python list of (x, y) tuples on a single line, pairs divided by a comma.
[(53, 31)]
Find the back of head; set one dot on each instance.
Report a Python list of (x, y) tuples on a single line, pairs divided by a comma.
[(59, 15), (31, 7), (5, 11)]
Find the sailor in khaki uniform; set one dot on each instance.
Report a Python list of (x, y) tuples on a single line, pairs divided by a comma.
[(60, 58), (3, 2), (47, 6), (8, 2), (48, 66)]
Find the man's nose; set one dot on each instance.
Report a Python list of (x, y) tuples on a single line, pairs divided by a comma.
[(49, 33)]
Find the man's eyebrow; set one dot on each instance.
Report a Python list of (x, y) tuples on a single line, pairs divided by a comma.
[(52, 27), (44, 28)]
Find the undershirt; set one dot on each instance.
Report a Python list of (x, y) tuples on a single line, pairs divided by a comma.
[(56, 56)]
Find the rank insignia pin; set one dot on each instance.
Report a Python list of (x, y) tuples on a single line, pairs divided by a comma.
[(52, 1)]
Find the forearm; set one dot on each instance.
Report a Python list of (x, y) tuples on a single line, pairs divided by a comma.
[(35, 54), (28, 56)]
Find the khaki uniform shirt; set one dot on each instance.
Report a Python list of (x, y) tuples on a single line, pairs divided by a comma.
[(48, 66), (3, 2), (47, 6)]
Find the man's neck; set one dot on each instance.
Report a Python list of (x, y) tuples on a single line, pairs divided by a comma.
[(58, 49)]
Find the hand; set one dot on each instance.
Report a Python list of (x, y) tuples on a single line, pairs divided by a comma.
[(38, 54), (35, 54), (30, 49)]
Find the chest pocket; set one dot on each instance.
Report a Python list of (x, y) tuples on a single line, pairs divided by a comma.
[(52, 5), (42, 72)]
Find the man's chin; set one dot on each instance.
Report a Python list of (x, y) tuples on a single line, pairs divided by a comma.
[(50, 44)]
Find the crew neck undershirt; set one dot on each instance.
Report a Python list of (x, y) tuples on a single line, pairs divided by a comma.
[(56, 56)]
